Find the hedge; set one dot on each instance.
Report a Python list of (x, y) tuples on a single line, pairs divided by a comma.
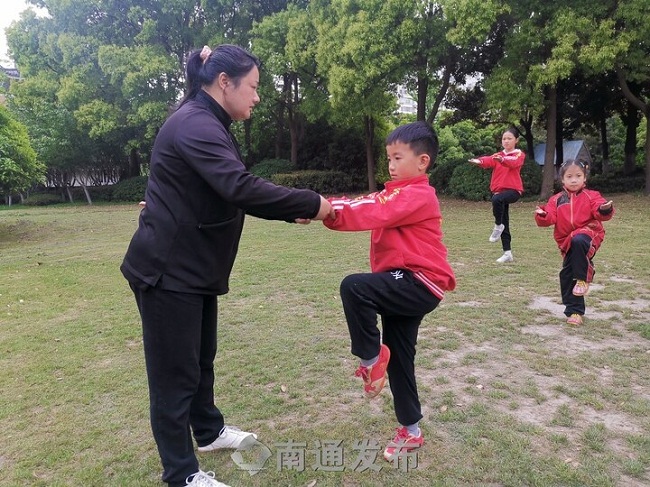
[(323, 182), (270, 167)]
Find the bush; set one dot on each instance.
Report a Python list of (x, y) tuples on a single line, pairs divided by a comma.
[(441, 175), (43, 199), (531, 175), (616, 183), (269, 167), (324, 182), (131, 189), (101, 193), (470, 182)]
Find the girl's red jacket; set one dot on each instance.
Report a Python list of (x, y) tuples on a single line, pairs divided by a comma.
[(507, 173), (405, 224), (574, 213)]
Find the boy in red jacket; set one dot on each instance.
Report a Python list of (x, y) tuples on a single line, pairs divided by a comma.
[(577, 213), (409, 277)]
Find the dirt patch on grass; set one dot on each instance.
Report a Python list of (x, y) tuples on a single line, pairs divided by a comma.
[(535, 382)]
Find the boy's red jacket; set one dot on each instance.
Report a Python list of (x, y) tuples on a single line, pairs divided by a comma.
[(405, 224), (507, 173), (574, 213)]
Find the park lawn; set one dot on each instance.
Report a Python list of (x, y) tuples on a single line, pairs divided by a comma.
[(511, 395)]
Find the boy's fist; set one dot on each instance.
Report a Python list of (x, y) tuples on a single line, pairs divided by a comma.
[(540, 211)]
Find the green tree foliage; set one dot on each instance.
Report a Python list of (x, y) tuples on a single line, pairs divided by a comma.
[(619, 41), (358, 51), (19, 168), (101, 75), (286, 42)]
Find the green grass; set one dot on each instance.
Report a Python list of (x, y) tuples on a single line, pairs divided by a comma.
[(511, 396)]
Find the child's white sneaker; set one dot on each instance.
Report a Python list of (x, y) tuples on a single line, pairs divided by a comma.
[(203, 479), (506, 257), (496, 233)]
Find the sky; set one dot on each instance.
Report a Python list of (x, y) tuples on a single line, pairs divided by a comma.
[(9, 11)]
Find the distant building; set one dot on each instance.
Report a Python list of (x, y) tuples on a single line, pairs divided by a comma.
[(12, 74), (572, 149), (405, 103)]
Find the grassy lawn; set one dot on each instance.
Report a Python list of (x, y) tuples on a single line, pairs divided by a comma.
[(511, 395)]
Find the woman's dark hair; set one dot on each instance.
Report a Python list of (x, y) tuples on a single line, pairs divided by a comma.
[(514, 131), (419, 136), (226, 58), (573, 162)]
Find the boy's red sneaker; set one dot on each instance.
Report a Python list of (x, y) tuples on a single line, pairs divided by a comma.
[(374, 377), (402, 443)]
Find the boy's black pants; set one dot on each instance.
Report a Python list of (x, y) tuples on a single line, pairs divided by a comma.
[(577, 264), (180, 343), (401, 301)]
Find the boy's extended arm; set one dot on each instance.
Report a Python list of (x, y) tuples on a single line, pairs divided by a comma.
[(380, 211)]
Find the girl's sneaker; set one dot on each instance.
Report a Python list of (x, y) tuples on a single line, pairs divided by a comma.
[(581, 288), (575, 319), (402, 443), (496, 233), (506, 257), (374, 377)]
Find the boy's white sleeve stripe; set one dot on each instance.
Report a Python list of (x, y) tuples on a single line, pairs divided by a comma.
[(340, 204)]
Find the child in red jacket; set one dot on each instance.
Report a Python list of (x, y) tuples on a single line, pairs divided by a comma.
[(577, 213), (409, 277), (506, 187)]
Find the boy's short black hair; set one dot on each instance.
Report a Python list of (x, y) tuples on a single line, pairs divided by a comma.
[(419, 136)]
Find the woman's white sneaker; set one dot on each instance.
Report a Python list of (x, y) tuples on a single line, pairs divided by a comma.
[(230, 437), (203, 479)]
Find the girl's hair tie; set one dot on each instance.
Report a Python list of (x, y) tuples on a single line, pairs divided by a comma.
[(205, 53)]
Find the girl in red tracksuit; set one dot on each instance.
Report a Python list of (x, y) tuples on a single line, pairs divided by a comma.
[(409, 277), (506, 187), (577, 213)]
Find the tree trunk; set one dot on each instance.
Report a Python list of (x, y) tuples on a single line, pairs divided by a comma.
[(604, 142), (370, 158), (281, 110), (645, 109), (631, 124), (559, 138), (69, 193), (248, 158), (527, 124), (423, 88), (647, 154), (294, 123), (548, 174), (442, 93), (134, 163), (87, 193)]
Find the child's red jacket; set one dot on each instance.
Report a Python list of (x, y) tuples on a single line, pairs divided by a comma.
[(507, 173), (406, 232), (574, 213)]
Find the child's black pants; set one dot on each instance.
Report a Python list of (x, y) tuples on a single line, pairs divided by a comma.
[(577, 264), (401, 301)]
